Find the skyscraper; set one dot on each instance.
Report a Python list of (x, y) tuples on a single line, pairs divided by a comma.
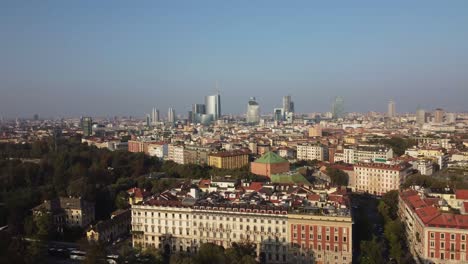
[(278, 114), (171, 115), (338, 107), (197, 111), (148, 120), (287, 103), (155, 116), (253, 111), (420, 116), (391, 109), (87, 126), (439, 116), (213, 105)]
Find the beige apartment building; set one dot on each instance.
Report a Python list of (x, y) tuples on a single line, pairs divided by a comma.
[(379, 178), (280, 237)]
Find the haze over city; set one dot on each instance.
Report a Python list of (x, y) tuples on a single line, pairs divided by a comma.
[(62, 58)]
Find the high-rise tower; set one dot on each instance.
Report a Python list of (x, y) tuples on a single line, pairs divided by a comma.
[(171, 115), (420, 116), (338, 108), (87, 126), (253, 111), (391, 109), (213, 105)]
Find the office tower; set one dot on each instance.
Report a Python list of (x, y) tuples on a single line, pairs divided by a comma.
[(439, 116), (155, 116), (253, 111), (148, 120), (391, 109), (291, 107), (197, 111), (87, 126), (190, 117), (213, 106), (287, 103), (338, 108), (36, 117), (420, 117), (278, 114), (450, 118), (171, 115)]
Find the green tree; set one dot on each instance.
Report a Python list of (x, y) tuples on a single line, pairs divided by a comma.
[(371, 252), (95, 254), (210, 253), (337, 176), (121, 201)]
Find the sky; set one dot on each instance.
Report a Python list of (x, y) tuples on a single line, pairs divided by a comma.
[(106, 58)]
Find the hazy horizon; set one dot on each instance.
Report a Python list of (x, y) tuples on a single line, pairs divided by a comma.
[(62, 58)]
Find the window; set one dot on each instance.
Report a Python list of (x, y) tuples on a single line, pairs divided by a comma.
[(463, 237), (452, 236), (432, 234), (442, 236)]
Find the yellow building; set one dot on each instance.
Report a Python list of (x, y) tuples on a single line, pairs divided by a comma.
[(229, 159)]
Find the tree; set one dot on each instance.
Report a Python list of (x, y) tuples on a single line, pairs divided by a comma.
[(121, 201), (371, 252), (241, 253), (95, 254), (44, 225), (337, 176), (210, 253)]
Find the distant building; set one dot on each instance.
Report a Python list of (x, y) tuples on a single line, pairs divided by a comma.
[(67, 212), (391, 112), (278, 114), (176, 153), (107, 231), (439, 116), (338, 108), (315, 131), (171, 116), (194, 154), (87, 126), (213, 106), (287, 103), (155, 116), (253, 111), (229, 159), (198, 110), (374, 153), (307, 151), (270, 163), (420, 117)]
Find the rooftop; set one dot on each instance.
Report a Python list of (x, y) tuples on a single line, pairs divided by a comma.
[(271, 158)]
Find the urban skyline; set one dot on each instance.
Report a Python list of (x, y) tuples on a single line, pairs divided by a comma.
[(171, 53)]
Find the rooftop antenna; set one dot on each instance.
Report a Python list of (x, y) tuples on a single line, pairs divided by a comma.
[(217, 87)]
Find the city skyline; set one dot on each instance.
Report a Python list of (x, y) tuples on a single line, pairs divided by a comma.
[(72, 59)]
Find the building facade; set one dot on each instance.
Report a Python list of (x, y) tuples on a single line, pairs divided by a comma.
[(373, 153), (307, 151), (229, 159), (379, 178)]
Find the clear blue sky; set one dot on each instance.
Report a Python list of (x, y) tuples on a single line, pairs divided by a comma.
[(62, 58)]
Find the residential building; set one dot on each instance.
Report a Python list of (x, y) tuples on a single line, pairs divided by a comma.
[(107, 231), (308, 151), (176, 153), (374, 153), (195, 154), (379, 178), (67, 212), (229, 159), (315, 131), (434, 235)]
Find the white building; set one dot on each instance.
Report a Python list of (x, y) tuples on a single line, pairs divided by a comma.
[(374, 153), (311, 152), (379, 178), (176, 153)]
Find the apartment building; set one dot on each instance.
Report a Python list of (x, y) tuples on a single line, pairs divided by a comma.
[(176, 153), (434, 235), (374, 153), (379, 178), (195, 154), (229, 159), (308, 151), (318, 233), (67, 212)]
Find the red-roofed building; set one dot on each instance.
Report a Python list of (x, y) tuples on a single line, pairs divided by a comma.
[(434, 236)]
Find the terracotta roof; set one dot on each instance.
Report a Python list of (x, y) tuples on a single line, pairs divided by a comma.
[(461, 194)]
